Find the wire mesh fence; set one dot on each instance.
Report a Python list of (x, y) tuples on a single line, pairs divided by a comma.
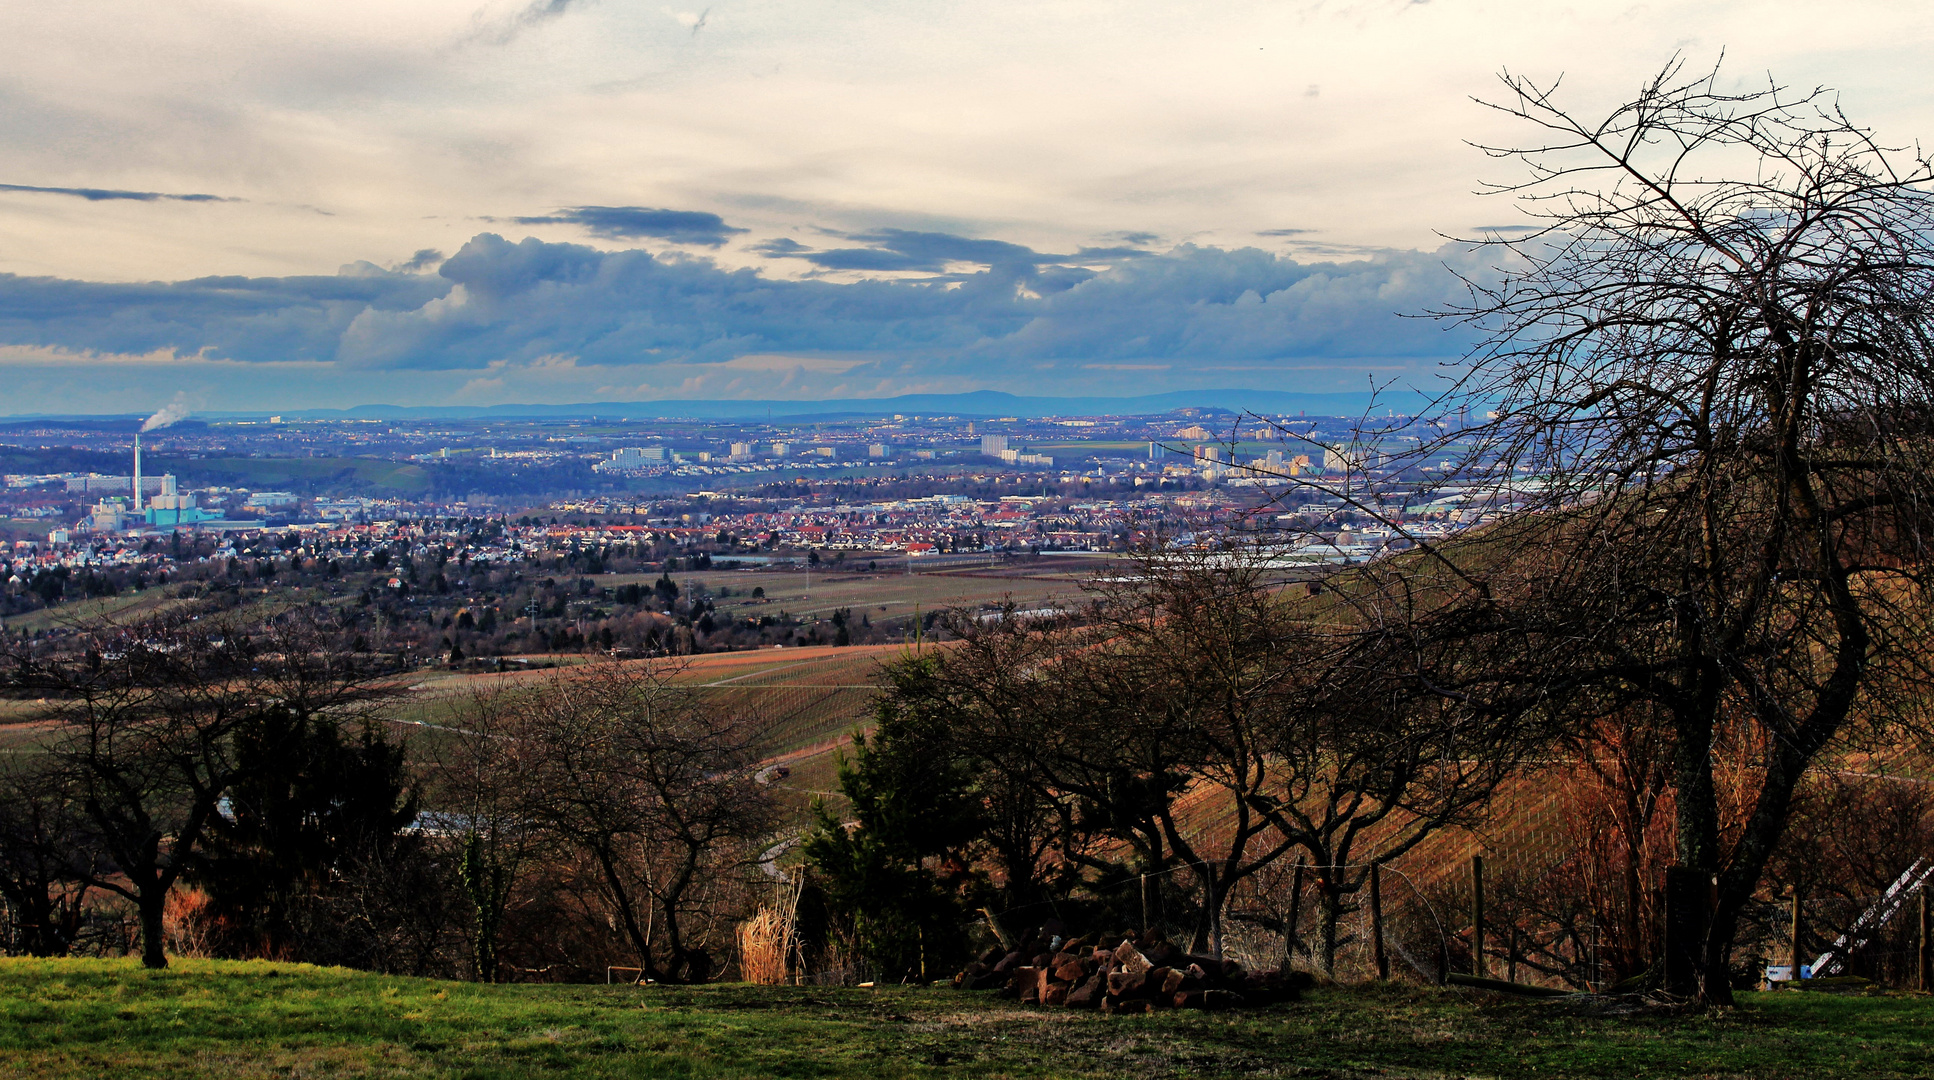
[(1418, 923), (1353, 923)]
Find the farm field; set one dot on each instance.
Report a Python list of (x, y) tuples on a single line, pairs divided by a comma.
[(242, 1020), (806, 701), (881, 594), (130, 606)]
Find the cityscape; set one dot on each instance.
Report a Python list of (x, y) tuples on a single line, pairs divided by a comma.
[(480, 518), (592, 539)]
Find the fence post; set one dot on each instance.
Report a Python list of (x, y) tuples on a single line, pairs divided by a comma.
[(1145, 923), (1295, 910), (1376, 920), (1477, 916), (1926, 952), (1793, 935), (1215, 910)]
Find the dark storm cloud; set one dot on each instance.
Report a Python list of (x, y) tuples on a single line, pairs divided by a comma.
[(496, 301), (638, 222), (424, 259), (780, 247), (257, 319), (909, 250), (115, 195)]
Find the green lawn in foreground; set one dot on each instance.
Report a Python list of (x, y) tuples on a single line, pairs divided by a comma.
[(78, 1018)]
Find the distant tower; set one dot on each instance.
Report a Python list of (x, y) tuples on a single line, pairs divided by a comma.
[(137, 474)]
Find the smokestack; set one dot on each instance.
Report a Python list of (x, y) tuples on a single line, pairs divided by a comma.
[(137, 474)]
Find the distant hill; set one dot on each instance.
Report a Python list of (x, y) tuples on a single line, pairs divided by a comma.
[(980, 403)]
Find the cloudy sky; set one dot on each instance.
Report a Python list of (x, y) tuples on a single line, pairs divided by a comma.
[(276, 204)]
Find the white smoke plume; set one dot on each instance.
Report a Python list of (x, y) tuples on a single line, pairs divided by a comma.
[(172, 413)]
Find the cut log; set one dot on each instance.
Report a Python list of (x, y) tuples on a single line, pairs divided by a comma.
[(1220, 999), (1130, 959), (1154, 979), (1088, 994)]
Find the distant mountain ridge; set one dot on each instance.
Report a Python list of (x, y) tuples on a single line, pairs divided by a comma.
[(976, 404)]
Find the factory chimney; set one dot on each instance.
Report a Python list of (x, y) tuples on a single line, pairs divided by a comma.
[(137, 474)]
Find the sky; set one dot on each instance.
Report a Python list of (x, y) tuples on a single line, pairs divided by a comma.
[(277, 205)]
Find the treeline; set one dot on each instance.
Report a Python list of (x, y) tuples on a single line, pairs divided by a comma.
[(243, 793), (1215, 753), (1192, 731)]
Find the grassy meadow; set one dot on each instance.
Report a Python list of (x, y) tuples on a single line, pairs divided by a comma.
[(883, 594), (242, 1020)]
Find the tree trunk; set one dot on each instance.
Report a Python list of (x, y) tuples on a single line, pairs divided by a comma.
[(150, 905), (621, 898), (1697, 811), (1199, 943), (1688, 926), (682, 968), (1716, 985), (1332, 910), (40, 934)]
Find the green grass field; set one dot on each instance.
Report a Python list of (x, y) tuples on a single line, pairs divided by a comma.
[(884, 595), (327, 474), (90, 1018)]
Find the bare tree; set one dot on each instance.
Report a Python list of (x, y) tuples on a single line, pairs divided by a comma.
[(1713, 360), (1202, 667), (47, 859), (483, 798), (630, 768), (1144, 724), (147, 718)]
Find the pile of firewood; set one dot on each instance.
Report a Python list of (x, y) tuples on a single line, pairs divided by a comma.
[(1122, 974)]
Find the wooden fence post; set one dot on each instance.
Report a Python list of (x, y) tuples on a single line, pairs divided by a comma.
[(1476, 916), (1926, 947), (1295, 910), (1793, 936), (1376, 920)]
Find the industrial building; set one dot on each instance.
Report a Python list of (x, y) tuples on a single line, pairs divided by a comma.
[(168, 508)]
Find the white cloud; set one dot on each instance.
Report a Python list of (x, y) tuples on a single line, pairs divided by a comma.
[(836, 147), (1045, 124)]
